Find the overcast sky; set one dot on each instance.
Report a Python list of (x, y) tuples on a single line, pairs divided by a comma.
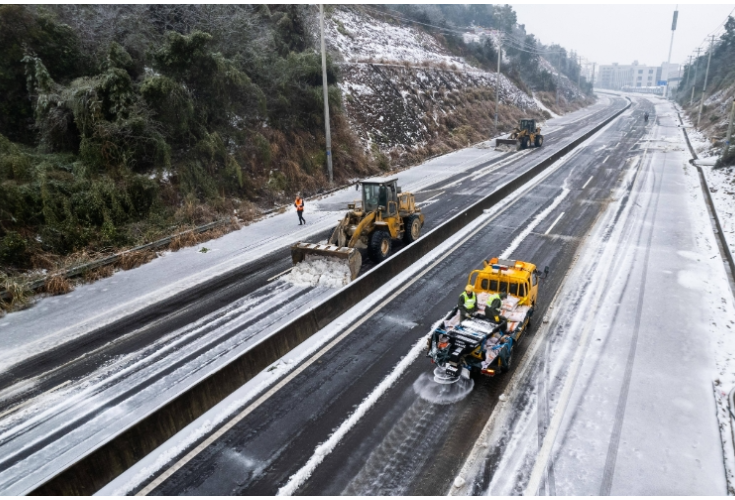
[(623, 33)]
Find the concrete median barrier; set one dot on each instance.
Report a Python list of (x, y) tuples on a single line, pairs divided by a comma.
[(90, 473)]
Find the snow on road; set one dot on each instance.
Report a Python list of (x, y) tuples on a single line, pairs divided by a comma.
[(622, 385), (243, 402), (68, 422), (72, 419), (55, 320)]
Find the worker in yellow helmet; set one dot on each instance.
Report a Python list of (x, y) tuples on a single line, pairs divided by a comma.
[(467, 302)]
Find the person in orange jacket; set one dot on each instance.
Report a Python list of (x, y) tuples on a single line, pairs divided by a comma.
[(299, 204)]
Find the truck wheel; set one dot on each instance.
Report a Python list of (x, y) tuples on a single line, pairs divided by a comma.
[(539, 141), (413, 228), (504, 368), (380, 246)]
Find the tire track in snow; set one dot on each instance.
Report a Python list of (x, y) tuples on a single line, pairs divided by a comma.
[(612, 451)]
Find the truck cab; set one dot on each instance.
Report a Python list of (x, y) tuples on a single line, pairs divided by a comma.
[(514, 277)]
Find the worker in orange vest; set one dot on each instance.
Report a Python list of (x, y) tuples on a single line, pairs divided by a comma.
[(299, 204)]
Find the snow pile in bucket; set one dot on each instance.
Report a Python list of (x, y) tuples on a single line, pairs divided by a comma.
[(320, 271), (505, 148)]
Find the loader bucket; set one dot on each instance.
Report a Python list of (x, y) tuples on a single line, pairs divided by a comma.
[(299, 252), (509, 142)]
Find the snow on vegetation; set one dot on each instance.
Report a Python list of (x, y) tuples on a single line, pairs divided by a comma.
[(320, 271), (362, 38), (407, 96)]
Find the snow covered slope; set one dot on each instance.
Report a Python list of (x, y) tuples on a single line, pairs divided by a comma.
[(408, 97)]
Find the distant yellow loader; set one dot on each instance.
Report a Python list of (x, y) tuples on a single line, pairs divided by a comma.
[(527, 134)]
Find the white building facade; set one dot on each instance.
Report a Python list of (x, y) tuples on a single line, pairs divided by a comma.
[(615, 76)]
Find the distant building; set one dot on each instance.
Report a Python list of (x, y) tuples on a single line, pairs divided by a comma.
[(616, 76)]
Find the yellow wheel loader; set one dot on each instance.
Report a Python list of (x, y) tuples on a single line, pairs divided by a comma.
[(383, 215), (527, 134)]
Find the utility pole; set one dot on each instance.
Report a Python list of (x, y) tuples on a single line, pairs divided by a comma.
[(326, 97), (558, 81), (497, 84), (706, 74), (579, 73), (686, 82), (671, 46), (726, 148), (593, 76), (696, 70)]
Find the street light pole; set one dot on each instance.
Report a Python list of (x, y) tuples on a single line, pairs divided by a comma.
[(706, 74), (326, 97), (497, 84), (671, 46)]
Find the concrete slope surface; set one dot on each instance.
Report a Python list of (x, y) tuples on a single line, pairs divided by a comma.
[(61, 403), (342, 414)]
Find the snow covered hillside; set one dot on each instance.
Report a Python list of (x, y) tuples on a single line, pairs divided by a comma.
[(408, 97)]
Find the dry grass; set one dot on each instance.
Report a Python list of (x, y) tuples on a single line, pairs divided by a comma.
[(20, 293), (190, 238), (57, 285), (131, 260), (99, 273), (183, 240)]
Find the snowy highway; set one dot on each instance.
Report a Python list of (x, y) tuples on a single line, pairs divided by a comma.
[(344, 415), (59, 403)]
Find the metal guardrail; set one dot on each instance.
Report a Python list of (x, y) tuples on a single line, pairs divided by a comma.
[(112, 458), (710, 202), (723, 244), (112, 259)]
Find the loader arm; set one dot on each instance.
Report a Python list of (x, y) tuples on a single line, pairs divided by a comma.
[(367, 220), (339, 237)]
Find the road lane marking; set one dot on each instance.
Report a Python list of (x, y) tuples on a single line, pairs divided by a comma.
[(536, 221), (588, 181), (603, 161), (324, 449), (557, 220), (280, 274), (429, 199)]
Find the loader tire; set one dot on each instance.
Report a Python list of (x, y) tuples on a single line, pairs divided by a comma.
[(413, 229), (539, 141), (380, 245), (524, 142)]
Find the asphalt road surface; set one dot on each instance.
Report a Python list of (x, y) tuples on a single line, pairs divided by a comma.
[(124, 367), (405, 445)]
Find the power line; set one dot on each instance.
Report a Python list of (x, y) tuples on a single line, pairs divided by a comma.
[(721, 24), (714, 31), (504, 37)]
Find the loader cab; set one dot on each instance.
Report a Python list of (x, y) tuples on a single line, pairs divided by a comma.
[(381, 194), (528, 125)]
